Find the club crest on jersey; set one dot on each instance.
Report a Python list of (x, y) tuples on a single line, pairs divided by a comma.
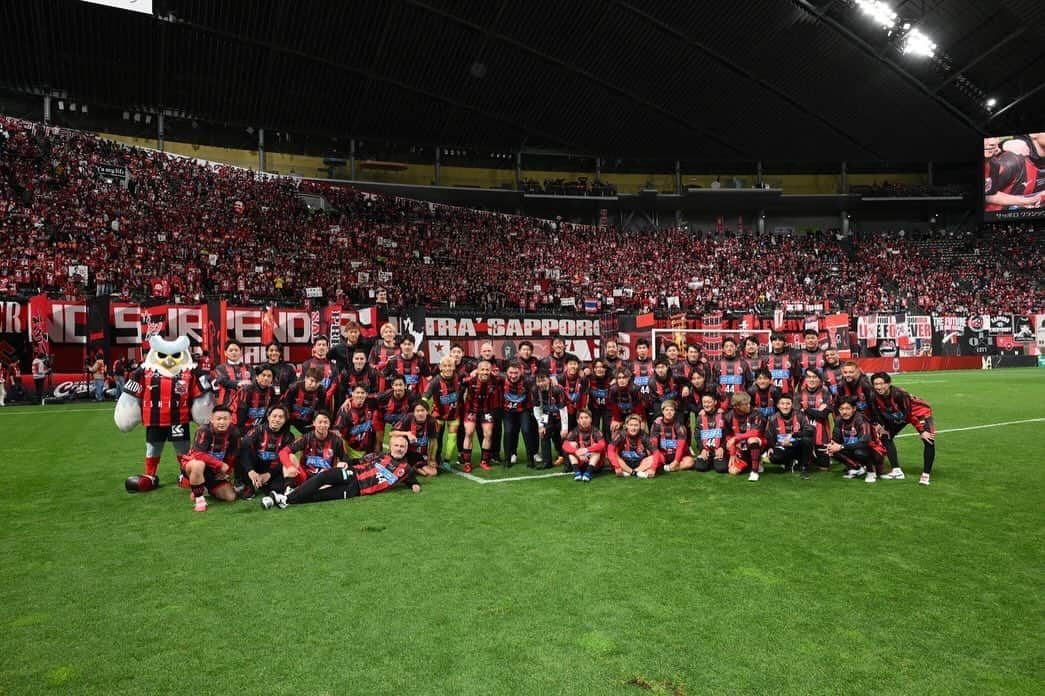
[(181, 387)]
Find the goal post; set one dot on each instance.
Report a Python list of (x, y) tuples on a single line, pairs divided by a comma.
[(709, 340)]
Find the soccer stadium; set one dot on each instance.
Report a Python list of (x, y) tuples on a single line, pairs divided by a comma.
[(522, 347)]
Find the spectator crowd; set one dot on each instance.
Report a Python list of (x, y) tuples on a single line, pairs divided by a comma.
[(183, 229)]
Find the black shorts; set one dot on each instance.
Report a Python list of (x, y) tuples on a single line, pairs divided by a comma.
[(157, 434)]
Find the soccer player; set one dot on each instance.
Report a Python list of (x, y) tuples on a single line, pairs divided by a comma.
[(230, 375), (809, 355), (746, 437), (549, 410), (487, 353), (352, 340), (445, 392), (518, 415), (575, 386), (320, 361), (832, 372), (555, 363), (749, 350), (392, 405), (421, 433), (855, 443), (730, 373), (259, 467), (764, 393), (210, 459), (671, 352), (611, 354), (1010, 179), (710, 436), (357, 372), (283, 373), (856, 385), (412, 366), (670, 438), (527, 359), (253, 401), (780, 364), (482, 400), (625, 399), (642, 366), (304, 398), (816, 403), (694, 362), (385, 349), (317, 450), (631, 452), (662, 387), (584, 447), (375, 474), (892, 409), (599, 382), (357, 421), (789, 436)]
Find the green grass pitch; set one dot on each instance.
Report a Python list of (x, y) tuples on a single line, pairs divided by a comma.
[(687, 584)]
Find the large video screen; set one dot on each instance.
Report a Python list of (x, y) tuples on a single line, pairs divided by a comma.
[(1014, 177)]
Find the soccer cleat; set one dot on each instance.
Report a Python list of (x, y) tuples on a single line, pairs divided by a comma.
[(200, 504), (924, 480), (183, 482), (642, 474), (855, 473), (894, 475), (871, 477), (484, 465), (586, 477), (538, 459), (267, 503), (805, 475), (753, 476), (578, 476), (467, 468), (667, 467), (446, 466), (247, 493), (512, 461), (764, 459), (280, 499)]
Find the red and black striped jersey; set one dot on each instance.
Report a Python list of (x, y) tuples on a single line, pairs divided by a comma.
[(684, 369), (226, 379), (795, 424), (859, 390), (632, 449), (390, 409), (221, 446), (414, 370), (599, 391), (898, 407), (350, 377), (782, 369), (661, 390), (855, 433), (556, 365), (731, 376), (265, 444), (764, 400), (303, 403), (358, 425), (804, 359), (669, 437), (329, 370), (379, 472), (447, 397), (425, 433), (711, 429), (283, 375), (591, 439), (576, 390), (165, 400), (624, 402), (643, 373), (482, 397), (252, 404), (516, 396), (317, 454), (381, 353), (817, 406)]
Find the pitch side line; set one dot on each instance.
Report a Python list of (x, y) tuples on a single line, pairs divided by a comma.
[(476, 479), (22, 410), (978, 427)]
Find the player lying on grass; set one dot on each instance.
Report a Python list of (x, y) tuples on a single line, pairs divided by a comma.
[(376, 473), (892, 409)]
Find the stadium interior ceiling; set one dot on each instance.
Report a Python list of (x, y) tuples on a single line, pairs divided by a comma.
[(807, 80)]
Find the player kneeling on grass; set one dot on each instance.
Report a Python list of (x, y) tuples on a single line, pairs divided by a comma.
[(631, 452), (671, 439), (420, 431), (210, 459), (316, 451), (376, 473), (891, 410), (855, 443), (789, 435), (259, 467), (585, 447), (746, 439), (711, 432)]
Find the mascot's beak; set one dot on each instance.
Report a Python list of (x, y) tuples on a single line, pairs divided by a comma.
[(168, 363)]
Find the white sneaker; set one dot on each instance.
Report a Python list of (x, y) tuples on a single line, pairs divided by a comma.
[(855, 473), (267, 503), (642, 474), (280, 499), (667, 467), (200, 504), (538, 459), (753, 476), (871, 477), (765, 458), (924, 480), (514, 459), (894, 475)]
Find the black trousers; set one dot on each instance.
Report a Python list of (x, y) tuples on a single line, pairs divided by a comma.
[(341, 484), (516, 422), (798, 449), (552, 435)]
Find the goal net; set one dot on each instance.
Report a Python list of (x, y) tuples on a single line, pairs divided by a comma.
[(709, 340)]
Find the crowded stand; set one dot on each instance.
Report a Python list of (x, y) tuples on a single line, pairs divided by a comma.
[(185, 230)]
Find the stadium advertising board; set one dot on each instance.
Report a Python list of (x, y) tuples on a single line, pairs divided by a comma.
[(1014, 177)]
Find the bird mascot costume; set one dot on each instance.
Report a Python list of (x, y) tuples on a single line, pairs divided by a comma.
[(163, 395)]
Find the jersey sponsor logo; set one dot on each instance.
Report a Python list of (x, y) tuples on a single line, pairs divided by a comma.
[(514, 398), (730, 379), (598, 393), (631, 455), (316, 462), (181, 387), (357, 430), (385, 474), (325, 382), (668, 444), (710, 433), (850, 440), (303, 410), (422, 441), (220, 456), (767, 411), (256, 412), (642, 380), (782, 437), (267, 456), (411, 380), (780, 374), (447, 399), (131, 387)]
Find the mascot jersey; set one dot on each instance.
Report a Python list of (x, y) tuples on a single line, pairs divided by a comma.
[(165, 400)]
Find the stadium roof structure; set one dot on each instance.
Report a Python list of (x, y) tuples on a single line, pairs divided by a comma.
[(808, 80)]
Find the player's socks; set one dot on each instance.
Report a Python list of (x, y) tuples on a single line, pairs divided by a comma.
[(466, 460), (152, 464), (198, 491)]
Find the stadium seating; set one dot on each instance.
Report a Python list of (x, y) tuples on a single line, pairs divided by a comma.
[(220, 230)]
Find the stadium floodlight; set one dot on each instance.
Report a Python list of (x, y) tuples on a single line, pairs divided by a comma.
[(991, 103), (880, 12), (918, 44)]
